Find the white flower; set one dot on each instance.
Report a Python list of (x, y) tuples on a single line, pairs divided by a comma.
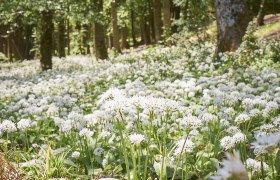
[(75, 154), (8, 126), (268, 142), (104, 162), (255, 166), (239, 137), (104, 134), (24, 124), (136, 139), (232, 168), (241, 118), (183, 146), (227, 142), (85, 132), (233, 130), (191, 122)]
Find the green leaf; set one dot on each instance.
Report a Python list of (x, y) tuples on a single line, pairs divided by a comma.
[(118, 169), (277, 162), (215, 162)]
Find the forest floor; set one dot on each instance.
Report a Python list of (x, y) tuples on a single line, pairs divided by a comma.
[(271, 28), (151, 112)]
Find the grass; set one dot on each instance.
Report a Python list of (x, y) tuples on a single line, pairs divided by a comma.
[(267, 30)]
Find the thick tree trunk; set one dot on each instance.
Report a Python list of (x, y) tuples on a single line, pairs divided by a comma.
[(232, 21), (46, 41), (157, 20), (99, 41), (99, 34), (61, 38), (166, 16), (260, 16), (115, 26)]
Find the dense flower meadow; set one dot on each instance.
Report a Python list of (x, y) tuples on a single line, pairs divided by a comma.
[(164, 112)]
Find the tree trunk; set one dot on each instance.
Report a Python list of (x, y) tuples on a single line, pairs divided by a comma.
[(85, 36), (232, 20), (124, 38), (151, 21), (133, 29), (46, 41), (28, 42), (166, 17), (2, 39), (260, 16), (61, 38), (9, 49), (116, 42), (99, 34), (145, 34), (157, 20), (176, 16), (68, 38)]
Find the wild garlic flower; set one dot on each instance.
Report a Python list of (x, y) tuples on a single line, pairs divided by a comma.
[(184, 146), (227, 142), (255, 166), (24, 124), (232, 168), (75, 154), (239, 137), (136, 139), (8, 126), (85, 132), (241, 118)]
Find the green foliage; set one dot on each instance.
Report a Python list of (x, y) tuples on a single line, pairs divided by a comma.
[(195, 13)]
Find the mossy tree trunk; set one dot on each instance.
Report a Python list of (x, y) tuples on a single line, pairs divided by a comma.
[(232, 20)]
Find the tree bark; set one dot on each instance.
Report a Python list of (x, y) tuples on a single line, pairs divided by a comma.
[(124, 37), (232, 20), (176, 16), (157, 20), (166, 16), (61, 38), (260, 16), (46, 40), (145, 30), (99, 34), (29, 42), (116, 38), (133, 28), (68, 37), (151, 21)]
